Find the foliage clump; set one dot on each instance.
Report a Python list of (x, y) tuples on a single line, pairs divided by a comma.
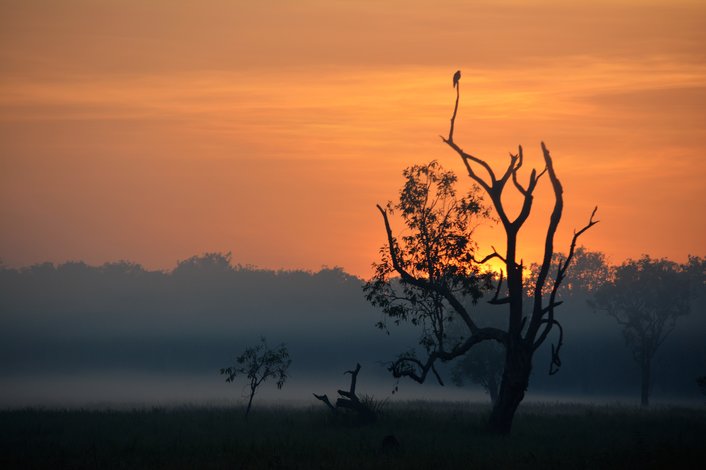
[(436, 253)]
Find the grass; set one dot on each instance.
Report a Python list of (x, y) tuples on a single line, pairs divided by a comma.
[(431, 435)]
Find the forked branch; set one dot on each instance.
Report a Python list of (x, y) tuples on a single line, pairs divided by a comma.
[(494, 254), (495, 187), (467, 156), (555, 362), (561, 274)]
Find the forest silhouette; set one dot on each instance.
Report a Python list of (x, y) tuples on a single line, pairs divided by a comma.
[(74, 319)]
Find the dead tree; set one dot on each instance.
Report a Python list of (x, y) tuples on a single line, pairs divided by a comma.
[(525, 333), (349, 400)]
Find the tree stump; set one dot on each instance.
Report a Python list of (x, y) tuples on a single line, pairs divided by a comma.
[(349, 400)]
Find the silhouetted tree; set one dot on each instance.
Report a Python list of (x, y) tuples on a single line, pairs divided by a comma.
[(435, 266), (435, 257), (259, 363), (695, 269), (646, 297)]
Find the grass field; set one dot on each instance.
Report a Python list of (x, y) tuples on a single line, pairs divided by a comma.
[(431, 435)]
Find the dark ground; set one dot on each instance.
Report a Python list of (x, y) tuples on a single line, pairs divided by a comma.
[(431, 436)]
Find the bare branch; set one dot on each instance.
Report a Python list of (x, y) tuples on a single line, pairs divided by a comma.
[(561, 274), (409, 366), (488, 258), (354, 377), (519, 187), (394, 255), (527, 193), (511, 168), (457, 85), (465, 157), (494, 254), (555, 363), (495, 300), (520, 157), (325, 399), (548, 243), (541, 174)]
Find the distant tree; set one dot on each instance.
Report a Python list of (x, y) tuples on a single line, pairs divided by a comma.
[(121, 268), (645, 297), (435, 266), (482, 365), (589, 272), (696, 272), (207, 263), (701, 382), (259, 363)]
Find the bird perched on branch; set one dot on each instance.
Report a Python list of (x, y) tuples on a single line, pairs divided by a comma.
[(457, 77)]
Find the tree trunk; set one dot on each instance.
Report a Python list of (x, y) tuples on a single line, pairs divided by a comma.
[(514, 383), (646, 379), (247, 411)]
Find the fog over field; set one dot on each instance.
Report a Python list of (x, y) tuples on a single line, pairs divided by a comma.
[(118, 335)]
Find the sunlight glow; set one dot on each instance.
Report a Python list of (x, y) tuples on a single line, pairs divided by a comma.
[(123, 137)]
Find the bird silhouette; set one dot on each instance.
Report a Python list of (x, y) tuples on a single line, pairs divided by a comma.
[(457, 77)]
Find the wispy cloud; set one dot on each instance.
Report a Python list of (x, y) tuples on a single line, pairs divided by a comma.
[(308, 99)]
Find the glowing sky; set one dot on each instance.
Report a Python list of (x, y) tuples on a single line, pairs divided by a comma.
[(156, 130)]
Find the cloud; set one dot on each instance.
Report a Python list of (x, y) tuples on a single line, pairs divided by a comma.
[(197, 109)]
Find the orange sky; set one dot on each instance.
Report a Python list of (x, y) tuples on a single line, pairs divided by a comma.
[(156, 130)]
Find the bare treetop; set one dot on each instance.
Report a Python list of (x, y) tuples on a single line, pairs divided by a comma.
[(525, 332)]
